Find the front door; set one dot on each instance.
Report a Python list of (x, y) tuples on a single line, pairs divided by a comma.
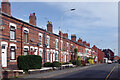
[(4, 55)]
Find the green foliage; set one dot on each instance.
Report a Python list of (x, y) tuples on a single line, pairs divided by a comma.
[(48, 64), (75, 50), (29, 62), (73, 62), (56, 64), (91, 61), (87, 59), (78, 62), (100, 61)]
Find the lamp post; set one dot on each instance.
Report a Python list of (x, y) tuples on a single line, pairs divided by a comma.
[(72, 9)]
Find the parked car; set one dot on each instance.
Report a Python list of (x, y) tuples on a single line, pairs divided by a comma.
[(109, 62)]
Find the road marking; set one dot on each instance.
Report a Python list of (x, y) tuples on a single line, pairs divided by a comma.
[(110, 73)]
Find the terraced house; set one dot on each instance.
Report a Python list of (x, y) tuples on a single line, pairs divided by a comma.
[(22, 38)]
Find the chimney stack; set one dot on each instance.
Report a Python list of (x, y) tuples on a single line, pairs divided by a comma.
[(73, 37), (49, 27), (65, 35), (6, 7), (79, 40), (84, 42), (88, 44), (32, 19)]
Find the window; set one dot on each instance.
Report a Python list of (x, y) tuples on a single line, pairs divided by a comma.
[(56, 43), (48, 41), (71, 47), (61, 45), (40, 53), (25, 51), (26, 36), (12, 53), (12, 33), (68, 57), (40, 39), (47, 55), (67, 46), (56, 56)]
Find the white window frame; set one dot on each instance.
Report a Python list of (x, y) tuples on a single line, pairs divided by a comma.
[(13, 45), (56, 43), (48, 55), (41, 52), (40, 34), (67, 46), (61, 45), (15, 26), (48, 41)]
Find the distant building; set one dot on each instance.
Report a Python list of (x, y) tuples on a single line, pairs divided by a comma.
[(116, 58), (100, 54), (109, 54)]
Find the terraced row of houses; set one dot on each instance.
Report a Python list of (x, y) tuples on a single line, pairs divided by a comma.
[(18, 37)]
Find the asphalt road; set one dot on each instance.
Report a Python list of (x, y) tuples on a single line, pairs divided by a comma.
[(101, 72), (94, 72)]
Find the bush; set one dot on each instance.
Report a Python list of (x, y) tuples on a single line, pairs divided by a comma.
[(29, 62), (100, 61), (48, 64), (91, 61), (56, 64), (73, 62), (83, 63), (87, 59), (78, 62)]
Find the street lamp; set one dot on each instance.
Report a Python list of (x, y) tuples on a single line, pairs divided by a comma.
[(72, 9)]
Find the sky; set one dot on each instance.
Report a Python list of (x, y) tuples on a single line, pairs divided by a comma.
[(94, 22)]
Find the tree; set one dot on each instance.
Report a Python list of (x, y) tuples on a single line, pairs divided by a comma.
[(75, 53)]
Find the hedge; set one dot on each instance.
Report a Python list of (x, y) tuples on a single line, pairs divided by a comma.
[(56, 64), (48, 64), (29, 62)]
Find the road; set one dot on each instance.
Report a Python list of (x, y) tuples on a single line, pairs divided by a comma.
[(95, 72), (102, 72)]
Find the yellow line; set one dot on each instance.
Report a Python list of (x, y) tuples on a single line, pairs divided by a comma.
[(110, 73)]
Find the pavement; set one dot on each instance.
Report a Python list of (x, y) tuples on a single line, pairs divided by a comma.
[(93, 72)]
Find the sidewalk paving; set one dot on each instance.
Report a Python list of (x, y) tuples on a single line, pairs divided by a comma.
[(57, 72)]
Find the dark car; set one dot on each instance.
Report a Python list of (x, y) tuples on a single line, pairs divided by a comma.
[(119, 61)]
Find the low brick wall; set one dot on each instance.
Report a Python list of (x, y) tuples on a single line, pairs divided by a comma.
[(12, 73)]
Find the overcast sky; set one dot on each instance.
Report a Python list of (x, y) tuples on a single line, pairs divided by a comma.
[(95, 22)]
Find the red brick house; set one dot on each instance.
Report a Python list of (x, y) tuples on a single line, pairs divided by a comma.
[(100, 54), (22, 38)]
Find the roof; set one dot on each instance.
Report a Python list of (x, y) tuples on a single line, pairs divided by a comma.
[(9, 16)]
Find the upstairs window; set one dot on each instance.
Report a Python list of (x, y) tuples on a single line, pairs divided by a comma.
[(56, 43), (40, 38), (12, 33), (48, 40), (61, 45), (26, 36), (67, 46), (71, 47)]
